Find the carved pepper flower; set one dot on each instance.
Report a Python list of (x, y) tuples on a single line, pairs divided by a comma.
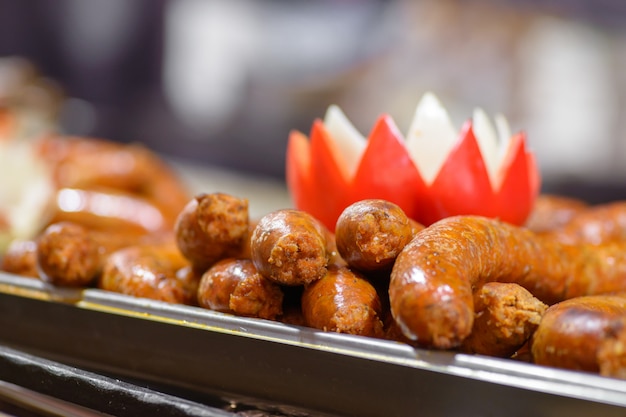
[(434, 172)]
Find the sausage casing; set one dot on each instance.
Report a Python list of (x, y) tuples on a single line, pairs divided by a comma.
[(343, 301), (290, 247), (506, 317), (235, 286), (212, 227), (149, 271), (371, 233), (572, 331)]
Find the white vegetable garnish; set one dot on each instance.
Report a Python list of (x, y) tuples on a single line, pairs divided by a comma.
[(429, 140), (350, 142), (431, 136), (26, 191)]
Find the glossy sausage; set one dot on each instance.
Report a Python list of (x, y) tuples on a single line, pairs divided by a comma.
[(212, 227), (571, 332), (371, 233), (343, 301), (506, 316), (551, 212), (290, 247), (67, 255), (20, 258), (91, 163), (148, 271), (109, 210), (597, 225), (235, 286), (433, 278)]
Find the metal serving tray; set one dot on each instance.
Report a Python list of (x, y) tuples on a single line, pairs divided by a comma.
[(208, 352)]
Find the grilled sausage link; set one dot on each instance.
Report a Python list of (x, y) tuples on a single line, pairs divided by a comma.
[(343, 301), (20, 258), (371, 233), (90, 163), (235, 286), (149, 271), (597, 225), (612, 350), (506, 317), (572, 331), (109, 210), (290, 247), (552, 212), (212, 227), (433, 278), (70, 254), (67, 255)]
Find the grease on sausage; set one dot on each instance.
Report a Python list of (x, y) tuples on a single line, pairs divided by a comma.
[(433, 278), (371, 233), (506, 317), (212, 227), (343, 301), (149, 271), (572, 331), (235, 286), (290, 247)]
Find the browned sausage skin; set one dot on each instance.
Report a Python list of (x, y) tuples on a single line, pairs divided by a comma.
[(343, 301), (290, 247), (149, 271), (109, 210), (212, 227), (551, 212), (20, 258), (68, 256), (235, 286), (371, 233), (597, 225), (572, 331), (434, 277), (506, 316), (91, 163), (612, 350)]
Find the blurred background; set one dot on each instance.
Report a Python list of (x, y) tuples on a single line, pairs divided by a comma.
[(220, 83)]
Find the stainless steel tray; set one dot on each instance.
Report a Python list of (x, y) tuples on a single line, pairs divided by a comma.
[(205, 351)]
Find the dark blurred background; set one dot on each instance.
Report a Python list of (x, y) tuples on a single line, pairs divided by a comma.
[(222, 82)]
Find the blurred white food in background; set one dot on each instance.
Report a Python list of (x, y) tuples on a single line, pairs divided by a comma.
[(208, 52), (569, 99)]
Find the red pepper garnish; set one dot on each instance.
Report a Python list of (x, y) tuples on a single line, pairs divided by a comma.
[(322, 183)]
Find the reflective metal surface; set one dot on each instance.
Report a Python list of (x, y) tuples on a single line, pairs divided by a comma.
[(206, 351)]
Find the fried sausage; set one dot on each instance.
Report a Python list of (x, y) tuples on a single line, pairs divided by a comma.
[(612, 350), (109, 210), (21, 258), (91, 163), (343, 301), (148, 271), (506, 315), (433, 278), (235, 286), (551, 212), (68, 256), (290, 247), (597, 225), (572, 331), (371, 233), (212, 227)]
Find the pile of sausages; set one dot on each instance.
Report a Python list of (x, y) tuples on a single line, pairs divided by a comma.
[(552, 292)]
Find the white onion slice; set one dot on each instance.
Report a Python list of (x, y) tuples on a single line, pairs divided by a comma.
[(350, 142), (431, 137)]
